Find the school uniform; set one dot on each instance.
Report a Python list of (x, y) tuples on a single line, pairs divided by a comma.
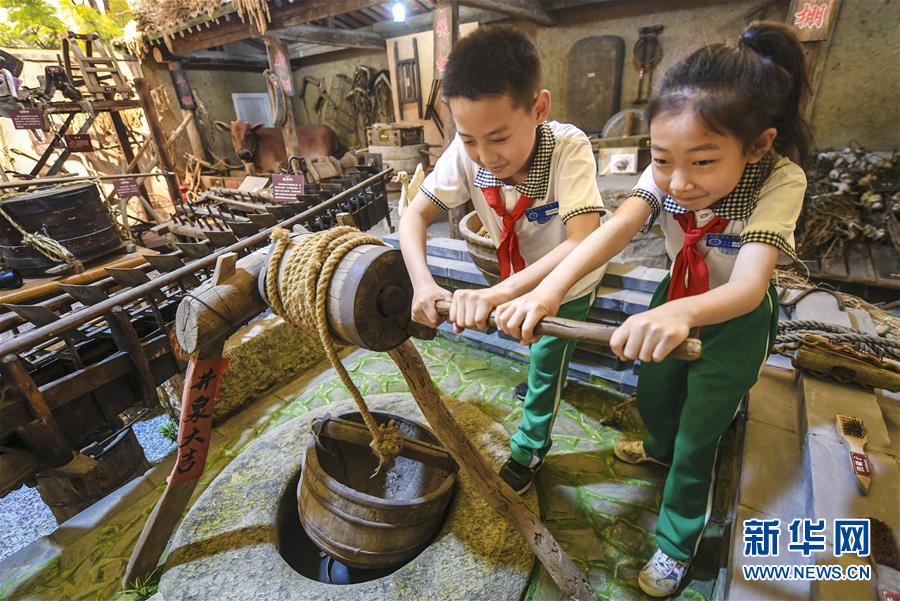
[(526, 221), (687, 406)]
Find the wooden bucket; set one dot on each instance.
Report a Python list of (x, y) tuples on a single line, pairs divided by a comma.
[(481, 248), (371, 522), (73, 215), (68, 494)]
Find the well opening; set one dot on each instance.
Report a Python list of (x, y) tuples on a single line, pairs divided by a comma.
[(360, 527)]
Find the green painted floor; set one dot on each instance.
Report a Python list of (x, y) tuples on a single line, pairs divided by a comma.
[(602, 512)]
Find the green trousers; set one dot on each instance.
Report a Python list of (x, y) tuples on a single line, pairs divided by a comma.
[(688, 406), (547, 369)]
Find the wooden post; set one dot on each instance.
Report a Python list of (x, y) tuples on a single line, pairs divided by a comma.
[(128, 153), (46, 438), (165, 160), (814, 22), (446, 33), (280, 65), (201, 391), (198, 142)]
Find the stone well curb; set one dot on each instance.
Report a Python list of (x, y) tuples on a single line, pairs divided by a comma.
[(226, 547)]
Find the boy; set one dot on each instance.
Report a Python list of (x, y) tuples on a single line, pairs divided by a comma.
[(534, 186)]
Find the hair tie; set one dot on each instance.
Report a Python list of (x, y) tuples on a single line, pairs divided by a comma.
[(748, 40)]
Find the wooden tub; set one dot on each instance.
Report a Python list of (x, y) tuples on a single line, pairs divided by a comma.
[(371, 522)]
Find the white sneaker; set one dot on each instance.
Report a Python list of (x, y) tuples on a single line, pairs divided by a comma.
[(662, 575), (632, 451)]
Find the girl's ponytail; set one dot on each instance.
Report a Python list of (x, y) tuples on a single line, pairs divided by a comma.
[(744, 88), (777, 43)]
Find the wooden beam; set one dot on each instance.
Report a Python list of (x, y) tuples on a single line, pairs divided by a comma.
[(162, 151), (327, 36), (565, 4), (423, 22), (223, 60), (524, 9), (46, 438), (232, 29)]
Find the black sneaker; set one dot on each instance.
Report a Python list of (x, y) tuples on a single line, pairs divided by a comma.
[(518, 476), (521, 390)]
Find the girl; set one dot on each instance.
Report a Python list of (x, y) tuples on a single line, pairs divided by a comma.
[(724, 127)]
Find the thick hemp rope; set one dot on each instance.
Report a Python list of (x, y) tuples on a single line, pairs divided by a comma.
[(42, 243), (299, 296)]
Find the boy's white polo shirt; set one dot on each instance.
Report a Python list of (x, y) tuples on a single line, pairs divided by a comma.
[(562, 181)]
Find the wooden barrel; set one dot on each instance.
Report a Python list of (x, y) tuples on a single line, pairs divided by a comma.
[(121, 460), (371, 522), (73, 215), (402, 158), (481, 248)]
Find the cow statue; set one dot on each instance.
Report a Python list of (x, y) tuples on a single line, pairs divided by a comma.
[(262, 149)]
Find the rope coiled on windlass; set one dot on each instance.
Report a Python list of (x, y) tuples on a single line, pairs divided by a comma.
[(299, 296)]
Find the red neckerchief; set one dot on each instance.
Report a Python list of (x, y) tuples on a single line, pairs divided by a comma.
[(690, 274), (508, 255)]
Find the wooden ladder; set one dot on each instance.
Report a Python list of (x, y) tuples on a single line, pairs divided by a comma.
[(93, 66)]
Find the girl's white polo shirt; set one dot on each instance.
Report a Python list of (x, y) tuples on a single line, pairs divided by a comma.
[(763, 207)]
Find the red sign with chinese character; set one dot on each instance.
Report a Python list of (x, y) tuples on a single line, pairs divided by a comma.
[(812, 18), (27, 118), (126, 187), (79, 143), (201, 390), (860, 464), (285, 188)]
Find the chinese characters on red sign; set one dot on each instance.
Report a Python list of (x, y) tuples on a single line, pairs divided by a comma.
[(813, 19), (201, 390), (811, 16)]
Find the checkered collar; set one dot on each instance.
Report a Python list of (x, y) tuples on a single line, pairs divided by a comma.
[(538, 178), (740, 202)]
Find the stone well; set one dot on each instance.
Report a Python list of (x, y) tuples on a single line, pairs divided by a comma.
[(227, 546)]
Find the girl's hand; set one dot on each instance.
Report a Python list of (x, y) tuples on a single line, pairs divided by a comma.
[(520, 316), (650, 336)]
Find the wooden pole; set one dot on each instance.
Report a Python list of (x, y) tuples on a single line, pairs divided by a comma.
[(165, 159), (487, 481), (198, 142), (446, 33), (200, 393), (280, 65)]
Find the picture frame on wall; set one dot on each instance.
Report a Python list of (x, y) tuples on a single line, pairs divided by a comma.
[(618, 161), (253, 107)]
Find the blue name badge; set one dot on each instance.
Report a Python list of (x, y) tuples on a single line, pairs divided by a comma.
[(543, 213), (729, 244)]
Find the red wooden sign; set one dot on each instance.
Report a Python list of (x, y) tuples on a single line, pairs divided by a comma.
[(285, 188), (79, 143), (812, 18), (27, 118), (201, 391), (126, 187)]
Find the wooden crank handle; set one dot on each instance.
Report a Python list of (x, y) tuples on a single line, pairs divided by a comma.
[(581, 331)]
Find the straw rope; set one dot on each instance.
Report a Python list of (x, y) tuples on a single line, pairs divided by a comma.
[(299, 296)]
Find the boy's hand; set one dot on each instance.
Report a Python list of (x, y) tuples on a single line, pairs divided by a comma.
[(472, 308), (520, 316), (423, 310), (650, 336)]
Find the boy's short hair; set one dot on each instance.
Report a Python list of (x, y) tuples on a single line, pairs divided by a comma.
[(492, 61)]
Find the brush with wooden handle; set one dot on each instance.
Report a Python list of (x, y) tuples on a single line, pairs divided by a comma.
[(852, 432), (582, 331)]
